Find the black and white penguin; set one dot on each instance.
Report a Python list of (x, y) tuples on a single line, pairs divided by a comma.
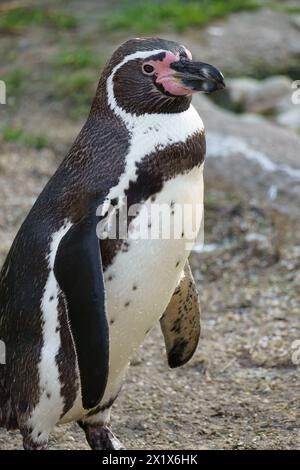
[(75, 306)]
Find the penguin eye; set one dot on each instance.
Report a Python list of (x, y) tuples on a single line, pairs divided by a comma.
[(148, 69)]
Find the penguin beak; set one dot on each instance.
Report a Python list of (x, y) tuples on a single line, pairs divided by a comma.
[(198, 76)]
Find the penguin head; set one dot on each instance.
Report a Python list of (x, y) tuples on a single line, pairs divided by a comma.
[(153, 75)]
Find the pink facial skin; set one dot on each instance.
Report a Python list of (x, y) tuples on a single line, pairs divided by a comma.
[(165, 75)]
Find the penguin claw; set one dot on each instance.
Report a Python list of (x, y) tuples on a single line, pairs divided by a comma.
[(100, 437), (29, 444), (109, 441)]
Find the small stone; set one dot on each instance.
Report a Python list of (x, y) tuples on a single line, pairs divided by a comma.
[(290, 118)]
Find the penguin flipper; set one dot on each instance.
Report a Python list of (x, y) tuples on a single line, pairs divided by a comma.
[(79, 273), (180, 322)]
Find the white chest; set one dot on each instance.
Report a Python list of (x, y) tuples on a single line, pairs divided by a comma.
[(142, 279), (152, 132)]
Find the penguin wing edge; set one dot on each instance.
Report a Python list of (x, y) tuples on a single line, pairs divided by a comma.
[(79, 273), (180, 322)]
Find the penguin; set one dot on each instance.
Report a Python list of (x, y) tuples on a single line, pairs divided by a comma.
[(75, 305)]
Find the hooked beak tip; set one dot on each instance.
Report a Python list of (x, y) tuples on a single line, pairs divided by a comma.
[(199, 76), (221, 85)]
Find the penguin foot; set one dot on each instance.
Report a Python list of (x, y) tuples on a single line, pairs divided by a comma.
[(29, 444), (100, 437)]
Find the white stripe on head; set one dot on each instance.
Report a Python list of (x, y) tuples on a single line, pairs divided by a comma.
[(126, 117)]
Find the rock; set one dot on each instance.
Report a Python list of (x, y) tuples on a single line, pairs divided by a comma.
[(296, 21), (237, 93), (286, 103), (256, 157), (254, 96), (290, 118)]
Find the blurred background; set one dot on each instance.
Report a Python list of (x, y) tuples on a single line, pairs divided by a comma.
[(242, 388)]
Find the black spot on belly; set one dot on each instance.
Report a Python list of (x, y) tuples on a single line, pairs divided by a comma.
[(51, 298), (177, 264), (134, 287), (114, 201), (48, 395), (112, 321), (127, 304), (110, 277)]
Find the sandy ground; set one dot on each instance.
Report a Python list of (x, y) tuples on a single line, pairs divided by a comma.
[(242, 388)]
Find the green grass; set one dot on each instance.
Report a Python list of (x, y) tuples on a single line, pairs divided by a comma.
[(76, 90), (74, 77), (279, 5), (14, 20), (14, 80), (77, 58), (150, 16), (292, 9), (17, 135)]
